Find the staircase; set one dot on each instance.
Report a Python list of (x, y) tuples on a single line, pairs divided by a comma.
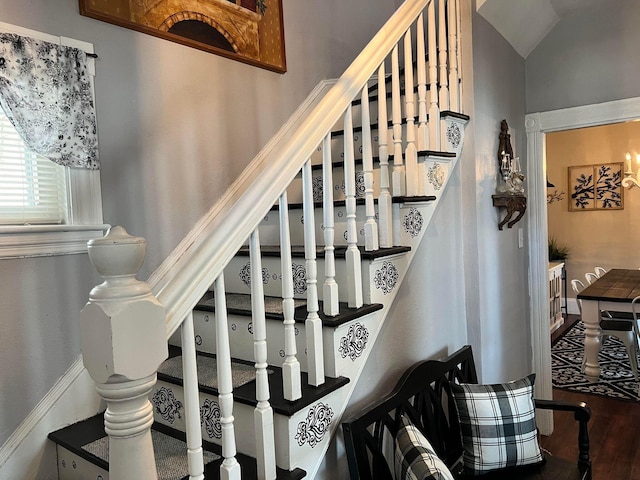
[(272, 304)]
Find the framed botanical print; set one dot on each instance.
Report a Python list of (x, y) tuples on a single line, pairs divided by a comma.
[(250, 31), (596, 187)]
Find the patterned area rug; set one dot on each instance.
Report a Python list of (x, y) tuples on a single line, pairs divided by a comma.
[(616, 378)]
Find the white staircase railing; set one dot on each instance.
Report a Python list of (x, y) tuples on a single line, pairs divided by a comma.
[(198, 262)]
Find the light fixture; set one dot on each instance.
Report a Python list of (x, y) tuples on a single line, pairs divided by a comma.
[(629, 181)]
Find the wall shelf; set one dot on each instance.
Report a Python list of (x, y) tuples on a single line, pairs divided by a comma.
[(514, 204)]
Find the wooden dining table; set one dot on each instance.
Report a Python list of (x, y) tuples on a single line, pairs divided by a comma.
[(614, 291)]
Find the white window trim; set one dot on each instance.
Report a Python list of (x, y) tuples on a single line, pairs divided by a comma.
[(84, 194)]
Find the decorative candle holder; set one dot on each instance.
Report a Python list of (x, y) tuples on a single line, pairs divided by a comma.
[(512, 177)]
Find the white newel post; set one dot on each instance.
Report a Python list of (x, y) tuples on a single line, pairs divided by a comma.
[(124, 341)]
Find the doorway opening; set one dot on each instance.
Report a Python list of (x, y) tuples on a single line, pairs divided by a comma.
[(538, 125)]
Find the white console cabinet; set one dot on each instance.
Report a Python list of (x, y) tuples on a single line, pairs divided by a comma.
[(555, 295)]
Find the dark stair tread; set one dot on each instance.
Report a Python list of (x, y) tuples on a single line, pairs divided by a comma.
[(77, 435), (388, 78), (389, 93), (360, 201), (246, 393), (207, 304), (373, 126), (298, 251), (414, 199), (451, 113), (359, 161)]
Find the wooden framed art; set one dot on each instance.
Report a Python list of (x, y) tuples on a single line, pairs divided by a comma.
[(596, 187), (249, 31)]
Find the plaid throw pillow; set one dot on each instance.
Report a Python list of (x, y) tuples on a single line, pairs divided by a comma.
[(414, 456), (498, 425)]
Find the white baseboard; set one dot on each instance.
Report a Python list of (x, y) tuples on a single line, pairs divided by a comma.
[(28, 454)]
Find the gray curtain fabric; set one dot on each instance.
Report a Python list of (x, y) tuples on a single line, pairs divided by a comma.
[(45, 91)]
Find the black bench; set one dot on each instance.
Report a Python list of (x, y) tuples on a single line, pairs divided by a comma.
[(422, 392)]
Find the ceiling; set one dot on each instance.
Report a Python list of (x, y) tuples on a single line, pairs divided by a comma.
[(524, 23)]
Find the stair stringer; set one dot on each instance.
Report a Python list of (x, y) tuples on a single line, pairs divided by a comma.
[(428, 210)]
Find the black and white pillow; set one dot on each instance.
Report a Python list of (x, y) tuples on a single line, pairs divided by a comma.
[(498, 425), (414, 456)]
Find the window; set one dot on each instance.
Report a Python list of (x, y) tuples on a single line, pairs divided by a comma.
[(45, 208), (32, 188)]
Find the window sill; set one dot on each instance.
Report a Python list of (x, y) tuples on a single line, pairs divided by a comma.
[(47, 240)]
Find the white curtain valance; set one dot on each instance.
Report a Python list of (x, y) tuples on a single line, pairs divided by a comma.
[(45, 91)]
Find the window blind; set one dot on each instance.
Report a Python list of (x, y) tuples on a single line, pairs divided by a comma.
[(32, 188)]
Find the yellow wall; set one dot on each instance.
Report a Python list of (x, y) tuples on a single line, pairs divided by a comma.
[(607, 238)]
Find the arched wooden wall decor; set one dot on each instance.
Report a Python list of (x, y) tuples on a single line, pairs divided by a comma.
[(250, 31)]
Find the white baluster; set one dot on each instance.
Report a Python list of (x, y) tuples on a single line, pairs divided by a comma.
[(452, 16), (397, 176), (459, 54), (118, 310), (385, 221), (442, 59), (313, 324), (330, 288), (410, 153), (434, 109), (263, 413), (423, 134), (230, 468), (291, 366), (397, 228), (191, 400), (352, 255), (370, 226)]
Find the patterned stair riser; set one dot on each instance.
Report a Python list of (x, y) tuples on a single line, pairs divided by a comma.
[(298, 437), (379, 277), (343, 345), (270, 226), (411, 217), (382, 278), (294, 192), (433, 174), (452, 134), (337, 144)]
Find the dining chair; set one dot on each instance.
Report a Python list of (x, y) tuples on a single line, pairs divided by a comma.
[(599, 271), (635, 309), (623, 329), (590, 277)]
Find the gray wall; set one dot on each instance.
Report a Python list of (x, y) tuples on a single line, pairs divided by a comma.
[(41, 299), (496, 272), (176, 126), (588, 58)]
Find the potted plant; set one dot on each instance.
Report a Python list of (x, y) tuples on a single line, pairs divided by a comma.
[(558, 251)]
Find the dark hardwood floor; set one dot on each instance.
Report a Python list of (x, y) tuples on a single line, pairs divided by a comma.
[(614, 434)]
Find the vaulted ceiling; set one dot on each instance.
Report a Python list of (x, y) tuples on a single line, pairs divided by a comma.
[(524, 23)]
